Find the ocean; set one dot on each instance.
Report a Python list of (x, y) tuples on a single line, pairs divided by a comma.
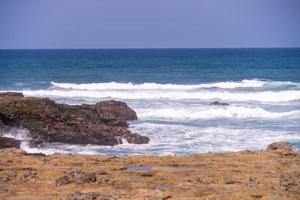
[(171, 90)]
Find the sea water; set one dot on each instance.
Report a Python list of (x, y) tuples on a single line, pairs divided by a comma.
[(171, 90)]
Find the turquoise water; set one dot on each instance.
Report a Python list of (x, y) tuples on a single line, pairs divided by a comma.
[(171, 90)]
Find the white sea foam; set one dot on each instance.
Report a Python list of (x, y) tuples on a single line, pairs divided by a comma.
[(252, 83), (266, 96), (16, 133), (178, 119), (179, 139), (156, 86), (193, 113)]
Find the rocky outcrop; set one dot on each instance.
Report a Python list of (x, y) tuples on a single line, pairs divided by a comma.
[(102, 124), (9, 143), (217, 103), (279, 147), (114, 113)]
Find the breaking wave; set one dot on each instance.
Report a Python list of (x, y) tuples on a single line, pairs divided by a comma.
[(156, 86), (265, 96), (190, 113)]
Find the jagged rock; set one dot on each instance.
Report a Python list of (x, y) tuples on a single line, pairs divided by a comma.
[(217, 103), (85, 178), (48, 121), (77, 177), (30, 175), (112, 110), (9, 143), (113, 113), (280, 146), (290, 182)]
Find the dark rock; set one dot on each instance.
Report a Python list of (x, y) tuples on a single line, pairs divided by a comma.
[(7, 176), (9, 143), (146, 174), (35, 154), (113, 113), (12, 94), (85, 124), (85, 178), (217, 103), (280, 147), (167, 197), (77, 177), (30, 176), (230, 181), (112, 110), (290, 182), (256, 196), (64, 180), (88, 196), (4, 187)]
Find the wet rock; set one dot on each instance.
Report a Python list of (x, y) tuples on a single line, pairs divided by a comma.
[(217, 103), (48, 121), (280, 147), (35, 154), (113, 110), (9, 143)]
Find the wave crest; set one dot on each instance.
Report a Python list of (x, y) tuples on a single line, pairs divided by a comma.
[(267, 96), (156, 86), (206, 113)]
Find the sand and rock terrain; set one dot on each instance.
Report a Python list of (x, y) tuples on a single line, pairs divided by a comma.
[(271, 174)]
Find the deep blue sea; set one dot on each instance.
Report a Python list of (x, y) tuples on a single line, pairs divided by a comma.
[(171, 91)]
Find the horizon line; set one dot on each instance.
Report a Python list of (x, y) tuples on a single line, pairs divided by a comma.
[(145, 48)]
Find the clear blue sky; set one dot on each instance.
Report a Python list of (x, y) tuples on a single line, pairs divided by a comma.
[(149, 23)]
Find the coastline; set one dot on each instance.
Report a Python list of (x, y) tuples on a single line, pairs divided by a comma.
[(271, 174)]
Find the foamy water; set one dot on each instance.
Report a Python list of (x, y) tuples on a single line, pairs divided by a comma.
[(179, 119)]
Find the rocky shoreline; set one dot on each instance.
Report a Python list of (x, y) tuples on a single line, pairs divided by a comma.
[(271, 174), (104, 123)]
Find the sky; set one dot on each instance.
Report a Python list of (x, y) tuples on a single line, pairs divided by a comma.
[(36, 24)]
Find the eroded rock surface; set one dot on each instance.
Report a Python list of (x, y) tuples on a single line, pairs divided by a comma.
[(280, 147), (237, 175), (47, 121)]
